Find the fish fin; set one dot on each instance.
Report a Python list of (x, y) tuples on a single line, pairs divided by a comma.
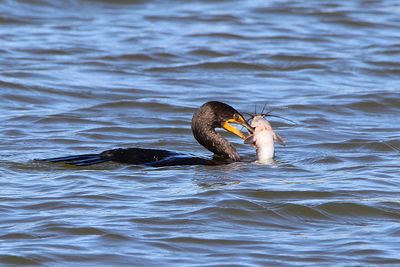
[(249, 139), (279, 139)]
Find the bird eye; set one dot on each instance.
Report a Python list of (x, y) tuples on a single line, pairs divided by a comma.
[(236, 116)]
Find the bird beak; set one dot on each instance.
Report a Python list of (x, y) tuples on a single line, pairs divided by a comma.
[(240, 120)]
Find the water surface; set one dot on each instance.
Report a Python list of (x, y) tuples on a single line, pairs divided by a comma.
[(86, 76)]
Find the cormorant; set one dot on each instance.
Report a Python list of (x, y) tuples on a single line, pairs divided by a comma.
[(209, 116)]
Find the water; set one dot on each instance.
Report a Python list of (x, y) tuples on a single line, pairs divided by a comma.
[(86, 76)]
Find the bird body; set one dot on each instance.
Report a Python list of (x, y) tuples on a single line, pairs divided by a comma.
[(206, 119), (133, 155)]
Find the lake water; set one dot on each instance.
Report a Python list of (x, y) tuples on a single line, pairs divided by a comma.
[(87, 76)]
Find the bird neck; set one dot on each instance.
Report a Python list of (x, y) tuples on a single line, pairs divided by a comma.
[(206, 135)]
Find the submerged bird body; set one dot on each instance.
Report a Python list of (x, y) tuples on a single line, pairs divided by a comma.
[(134, 155), (263, 139), (209, 116)]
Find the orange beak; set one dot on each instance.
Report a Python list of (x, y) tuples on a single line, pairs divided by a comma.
[(239, 120)]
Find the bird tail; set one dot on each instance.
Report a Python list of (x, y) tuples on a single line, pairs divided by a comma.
[(78, 160)]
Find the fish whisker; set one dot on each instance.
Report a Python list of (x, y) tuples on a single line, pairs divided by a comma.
[(262, 111), (276, 116)]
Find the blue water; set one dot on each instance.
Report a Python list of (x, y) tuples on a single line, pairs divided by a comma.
[(87, 76)]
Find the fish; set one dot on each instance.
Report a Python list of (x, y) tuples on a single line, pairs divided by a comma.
[(263, 139)]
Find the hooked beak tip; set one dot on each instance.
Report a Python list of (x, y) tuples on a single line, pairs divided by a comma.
[(249, 128)]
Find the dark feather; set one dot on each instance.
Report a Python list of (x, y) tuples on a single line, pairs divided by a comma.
[(78, 160)]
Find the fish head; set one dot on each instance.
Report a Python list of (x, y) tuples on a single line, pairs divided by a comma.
[(262, 128), (260, 123)]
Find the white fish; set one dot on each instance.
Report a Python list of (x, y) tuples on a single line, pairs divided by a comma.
[(263, 139)]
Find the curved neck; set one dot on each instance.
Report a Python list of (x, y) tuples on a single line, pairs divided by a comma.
[(206, 135)]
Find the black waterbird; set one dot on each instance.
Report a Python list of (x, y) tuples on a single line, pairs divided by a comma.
[(206, 119)]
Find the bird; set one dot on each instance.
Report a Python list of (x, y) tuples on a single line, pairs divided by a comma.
[(205, 120)]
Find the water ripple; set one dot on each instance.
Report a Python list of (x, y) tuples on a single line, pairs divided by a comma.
[(87, 76)]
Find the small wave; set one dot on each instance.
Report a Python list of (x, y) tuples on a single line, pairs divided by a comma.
[(67, 119), (371, 145), (208, 53), (18, 260), (121, 2), (274, 195), (17, 236), (199, 18), (239, 66), (384, 64), (371, 102), (213, 66), (48, 51), (357, 210), (280, 10), (350, 22), (388, 50), (222, 36), (211, 241), (133, 57), (25, 98), (387, 71), (295, 212), (132, 105), (301, 38), (301, 58), (376, 105), (12, 20), (326, 160), (12, 85)]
